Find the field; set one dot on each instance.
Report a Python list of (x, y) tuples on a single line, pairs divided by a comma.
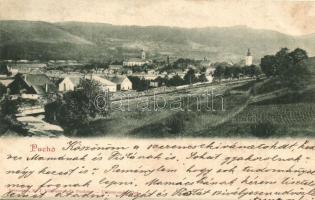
[(190, 121), (297, 115), (143, 121), (290, 114), (251, 108)]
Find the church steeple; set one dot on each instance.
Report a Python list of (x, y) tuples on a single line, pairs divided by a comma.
[(248, 52), (143, 55)]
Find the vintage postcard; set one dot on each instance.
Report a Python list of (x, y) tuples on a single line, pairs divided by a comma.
[(157, 99)]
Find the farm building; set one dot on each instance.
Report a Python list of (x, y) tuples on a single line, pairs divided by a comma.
[(122, 82), (105, 84), (38, 84), (68, 84)]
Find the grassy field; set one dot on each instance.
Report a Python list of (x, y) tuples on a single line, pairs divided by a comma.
[(189, 122), (291, 114), (252, 108), (271, 114)]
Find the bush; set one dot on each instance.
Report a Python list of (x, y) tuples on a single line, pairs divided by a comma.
[(175, 124), (264, 129)]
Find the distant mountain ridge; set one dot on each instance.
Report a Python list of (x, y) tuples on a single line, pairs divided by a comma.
[(83, 40)]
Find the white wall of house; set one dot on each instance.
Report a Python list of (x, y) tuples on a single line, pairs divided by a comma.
[(126, 84), (209, 78), (105, 84), (30, 96), (66, 85), (110, 88)]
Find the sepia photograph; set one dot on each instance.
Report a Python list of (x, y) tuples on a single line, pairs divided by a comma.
[(157, 69)]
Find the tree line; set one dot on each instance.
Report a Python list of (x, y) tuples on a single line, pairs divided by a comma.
[(290, 67), (228, 71)]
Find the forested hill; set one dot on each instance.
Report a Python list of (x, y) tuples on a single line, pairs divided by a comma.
[(78, 40)]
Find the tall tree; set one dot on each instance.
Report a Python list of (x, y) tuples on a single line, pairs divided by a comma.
[(3, 91), (202, 78), (77, 108), (236, 71), (289, 67), (219, 72), (190, 77), (268, 65), (175, 81)]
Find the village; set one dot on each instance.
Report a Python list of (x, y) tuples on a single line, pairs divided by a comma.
[(35, 84)]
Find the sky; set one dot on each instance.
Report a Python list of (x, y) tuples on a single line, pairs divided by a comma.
[(291, 17)]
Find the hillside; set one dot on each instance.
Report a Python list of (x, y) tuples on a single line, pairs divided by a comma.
[(28, 31), (102, 41), (228, 43), (39, 40)]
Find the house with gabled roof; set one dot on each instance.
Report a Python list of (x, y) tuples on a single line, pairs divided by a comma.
[(69, 83), (38, 84), (122, 82), (104, 83), (4, 70)]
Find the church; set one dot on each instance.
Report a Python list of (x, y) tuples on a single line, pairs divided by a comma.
[(131, 62)]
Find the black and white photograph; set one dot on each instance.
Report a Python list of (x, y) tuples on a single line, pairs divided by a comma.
[(157, 69)]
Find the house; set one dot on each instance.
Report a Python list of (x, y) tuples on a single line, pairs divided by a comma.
[(163, 74), (22, 61), (68, 83), (209, 78), (122, 82), (4, 70), (6, 81), (181, 73), (104, 83), (210, 70), (152, 71), (128, 72), (154, 83), (33, 84), (115, 67), (205, 63), (145, 76)]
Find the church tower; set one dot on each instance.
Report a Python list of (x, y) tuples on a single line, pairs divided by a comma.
[(249, 58), (143, 54)]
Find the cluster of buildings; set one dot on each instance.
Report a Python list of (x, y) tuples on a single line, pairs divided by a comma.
[(30, 80), (111, 84), (35, 89)]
